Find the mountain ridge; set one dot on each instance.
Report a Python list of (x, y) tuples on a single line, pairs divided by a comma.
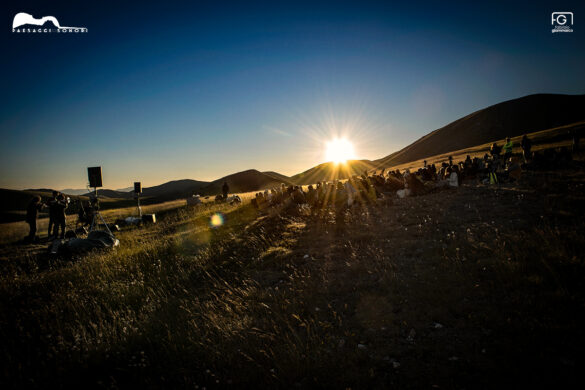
[(512, 118)]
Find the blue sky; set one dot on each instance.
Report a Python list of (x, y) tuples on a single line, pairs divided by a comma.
[(169, 90)]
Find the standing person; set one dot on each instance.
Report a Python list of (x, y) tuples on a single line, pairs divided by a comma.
[(508, 149), (526, 146), (575, 141), (32, 210), (225, 189), (340, 202), (60, 221), (51, 205), (495, 151)]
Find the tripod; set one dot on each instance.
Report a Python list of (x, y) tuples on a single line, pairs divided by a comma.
[(137, 196), (96, 217)]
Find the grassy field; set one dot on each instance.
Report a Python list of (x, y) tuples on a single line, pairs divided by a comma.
[(479, 287), (15, 231)]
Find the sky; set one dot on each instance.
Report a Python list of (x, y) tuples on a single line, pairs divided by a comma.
[(158, 91)]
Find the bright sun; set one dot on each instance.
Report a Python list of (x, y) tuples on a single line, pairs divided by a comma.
[(339, 150)]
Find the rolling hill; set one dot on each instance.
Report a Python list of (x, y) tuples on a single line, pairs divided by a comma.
[(71, 191), (170, 190), (14, 202), (174, 189), (510, 118), (112, 194), (332, 171), (529, 114), (245, 181), (277, 176)]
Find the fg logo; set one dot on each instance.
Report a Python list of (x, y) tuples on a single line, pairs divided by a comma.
[(562, 21)]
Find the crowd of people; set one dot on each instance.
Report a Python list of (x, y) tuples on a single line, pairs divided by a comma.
[(499, 165), (57, 205)]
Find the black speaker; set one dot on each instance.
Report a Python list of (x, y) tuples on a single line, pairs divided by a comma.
[(137, 187), (94, 175)]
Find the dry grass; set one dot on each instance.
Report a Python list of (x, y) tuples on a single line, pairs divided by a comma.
[(476, 287), (16, 231)]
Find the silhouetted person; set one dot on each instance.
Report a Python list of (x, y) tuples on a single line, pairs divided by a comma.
[(340, 197), (495, 150), (32, 211), (575, 140), (311, 195), (526, 145), (508, 149), (51, 205), (60, 220), (225, 189)]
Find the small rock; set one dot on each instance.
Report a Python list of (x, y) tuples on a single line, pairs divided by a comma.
[(362, 347), (436, 325), (395, 364), (305, 256)]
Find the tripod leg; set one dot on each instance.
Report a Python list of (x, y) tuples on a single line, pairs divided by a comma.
[(92, 222), (105, 224)]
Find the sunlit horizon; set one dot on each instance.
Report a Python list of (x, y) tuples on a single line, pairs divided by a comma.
[(221, 90), (339, 151)]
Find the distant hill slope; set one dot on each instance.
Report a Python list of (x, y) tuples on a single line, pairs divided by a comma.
[(277, 176), (246, 181), (556, 137), (170, 190), (332, 171), (174, 189), (71, 191), (18, 200), (112, 194), (510, 118)]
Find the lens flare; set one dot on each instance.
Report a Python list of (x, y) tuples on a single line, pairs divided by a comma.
[(339, 150), (216, 220)]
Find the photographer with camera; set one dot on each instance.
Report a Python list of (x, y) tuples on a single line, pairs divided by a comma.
[(225, 189), (59, 208), (51, 205)]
